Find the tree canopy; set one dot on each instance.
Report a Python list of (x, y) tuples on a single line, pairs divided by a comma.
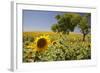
[(66, 22)]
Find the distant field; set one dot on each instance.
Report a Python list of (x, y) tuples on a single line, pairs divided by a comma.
[(50, 46)]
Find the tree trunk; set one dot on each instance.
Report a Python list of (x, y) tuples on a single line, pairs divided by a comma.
[(84, 37)]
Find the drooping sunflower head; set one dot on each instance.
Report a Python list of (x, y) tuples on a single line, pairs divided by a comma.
[(42, 43), (54, 43)]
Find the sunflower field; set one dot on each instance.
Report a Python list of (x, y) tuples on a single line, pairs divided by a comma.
[(50, 46)]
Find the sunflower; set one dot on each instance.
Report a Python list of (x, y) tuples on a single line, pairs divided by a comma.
[(54, 43), (42, 43), (31, 46)]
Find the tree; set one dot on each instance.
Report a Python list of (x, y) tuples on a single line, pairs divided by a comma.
[(84, 26), (54, 28), (66, 22)]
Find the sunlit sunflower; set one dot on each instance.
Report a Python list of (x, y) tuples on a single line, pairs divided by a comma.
[(42, 43), (31, 46)]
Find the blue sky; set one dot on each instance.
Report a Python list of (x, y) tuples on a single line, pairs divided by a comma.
[(39, 20)]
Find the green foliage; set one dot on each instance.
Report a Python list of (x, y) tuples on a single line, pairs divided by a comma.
[(54, 28), (67, 22), (84, 26)]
